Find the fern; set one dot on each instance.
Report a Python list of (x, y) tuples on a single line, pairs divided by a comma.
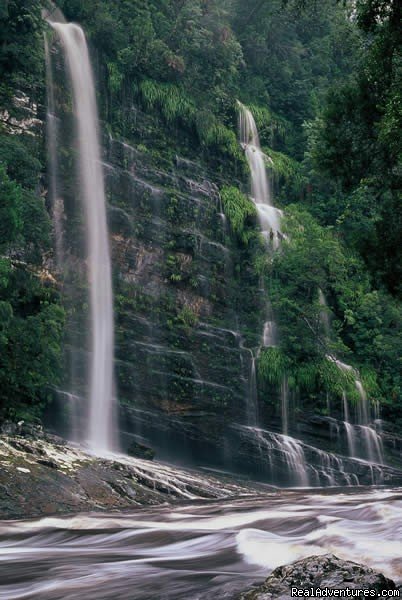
[(172, 103), (272, 365), (238, 209)]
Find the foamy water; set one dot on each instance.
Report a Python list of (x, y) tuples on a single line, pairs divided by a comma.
[(198, 551)]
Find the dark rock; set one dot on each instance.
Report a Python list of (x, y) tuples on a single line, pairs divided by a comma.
[(48, 463), (327, 571), (141, 451)]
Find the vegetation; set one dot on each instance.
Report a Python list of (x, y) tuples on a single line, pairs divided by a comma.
[(324, 87), (240, 212)]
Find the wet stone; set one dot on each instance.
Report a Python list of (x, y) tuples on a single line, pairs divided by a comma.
[(327, 571)]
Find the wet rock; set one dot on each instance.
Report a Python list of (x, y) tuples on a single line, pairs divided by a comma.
[(141, 451), (40, 477), (327, 571)]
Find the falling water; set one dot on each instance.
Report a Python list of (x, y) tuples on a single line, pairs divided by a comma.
[(269, 216), (252, 404), (324, 315), (349, 429), (269, 335), (101, 410), (372, 444)]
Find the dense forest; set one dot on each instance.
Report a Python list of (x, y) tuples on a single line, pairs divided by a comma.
[(324, 83)]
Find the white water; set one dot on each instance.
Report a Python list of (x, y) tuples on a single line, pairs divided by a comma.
[(324, 313), (196, 552), (371, 447), (101, 419), (252, 404), (270, 334), (269, 216)]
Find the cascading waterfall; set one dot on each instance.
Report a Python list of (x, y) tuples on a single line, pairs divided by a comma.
[(252, 408), (371, 448), (269, 216), (101, 418), (270, 222)]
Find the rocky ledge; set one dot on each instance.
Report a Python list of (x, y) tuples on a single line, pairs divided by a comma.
[(319, 572), (41, 474)]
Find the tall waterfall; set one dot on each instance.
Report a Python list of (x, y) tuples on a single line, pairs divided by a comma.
[(270, 222), (101, 417)]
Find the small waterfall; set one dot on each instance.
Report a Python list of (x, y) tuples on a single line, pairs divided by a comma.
[(269, 336), (371, 446), (252, 404), (101, 418), (349, 429), (269, 216), (324, 315)]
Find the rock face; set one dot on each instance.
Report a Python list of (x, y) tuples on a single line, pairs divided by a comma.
[(327, 571), (41, 474)]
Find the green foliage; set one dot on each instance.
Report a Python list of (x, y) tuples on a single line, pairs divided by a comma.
[(21, 50), (20, 160), (10, 209), (272, 366), (311, 377), (240, 212), (355, 148), (187, 318), (173, 104), (30, 345), (286, 169)]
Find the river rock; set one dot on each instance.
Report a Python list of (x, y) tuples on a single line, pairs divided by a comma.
[(48, 476), (327, 571)]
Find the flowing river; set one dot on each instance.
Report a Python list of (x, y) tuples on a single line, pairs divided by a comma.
[(196, 551)]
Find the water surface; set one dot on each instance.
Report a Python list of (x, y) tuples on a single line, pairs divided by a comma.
[(196, 551)]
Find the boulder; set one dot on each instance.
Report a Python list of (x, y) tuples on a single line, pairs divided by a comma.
[(141, 451), (327, 571)]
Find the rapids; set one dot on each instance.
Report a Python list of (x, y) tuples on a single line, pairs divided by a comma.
[(196, 551)]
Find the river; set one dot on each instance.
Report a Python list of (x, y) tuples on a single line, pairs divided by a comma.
[(196, 551)]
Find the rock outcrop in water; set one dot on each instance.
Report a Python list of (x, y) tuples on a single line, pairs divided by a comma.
[(327, 571)]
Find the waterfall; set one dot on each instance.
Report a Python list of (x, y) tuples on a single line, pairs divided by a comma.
[(349, 429), (372, 447), (324, 315), (269, 216), (269, 336), (252, 405), (101, 418)]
